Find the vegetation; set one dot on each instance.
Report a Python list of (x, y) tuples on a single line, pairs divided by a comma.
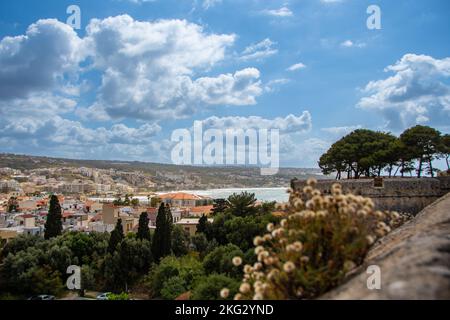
[(53, 225), (302, 256), (310, 252), (162, 243), (367, 153)]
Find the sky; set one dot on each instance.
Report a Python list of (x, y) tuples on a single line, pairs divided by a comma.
[(136, 70)]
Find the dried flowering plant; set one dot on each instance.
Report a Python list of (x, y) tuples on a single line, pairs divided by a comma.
[(320, 241)]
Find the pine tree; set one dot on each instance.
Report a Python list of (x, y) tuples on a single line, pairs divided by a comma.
[(116, 238), (53, 225), (143, 229), (201, 227)]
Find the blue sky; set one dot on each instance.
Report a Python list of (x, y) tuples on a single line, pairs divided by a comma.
[(119, 86)]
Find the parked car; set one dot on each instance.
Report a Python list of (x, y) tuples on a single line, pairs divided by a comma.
[(42, 297), (104, 296)]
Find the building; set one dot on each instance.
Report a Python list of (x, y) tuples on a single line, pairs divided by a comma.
[(185, 200), (190, 225)]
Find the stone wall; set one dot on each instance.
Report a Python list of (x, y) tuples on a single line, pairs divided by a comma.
[(414, 261), (409, 195)]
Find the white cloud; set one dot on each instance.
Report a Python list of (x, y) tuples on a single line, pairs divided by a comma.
[(418, 92), (40, 60), (273, 85), (259, 50), (288, 124), (297, 66), (148, 68), (339, 132), (281, 12), (210, 3), (351, 44)]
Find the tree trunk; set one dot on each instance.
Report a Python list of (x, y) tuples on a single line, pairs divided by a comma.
[(419, 171), (431, 168)]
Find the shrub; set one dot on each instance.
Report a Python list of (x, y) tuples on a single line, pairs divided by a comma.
[(186, 270), (310, 252), (219, 261), (209, 288)]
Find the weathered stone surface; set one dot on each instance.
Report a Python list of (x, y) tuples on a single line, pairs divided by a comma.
[(409, 195), (414, 260)]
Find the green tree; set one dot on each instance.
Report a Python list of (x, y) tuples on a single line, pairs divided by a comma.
[(444, 149), (53, 225), (422, 143), (209, 287), (242, 204), (220, 261), (180, 241), (219, 206), (135, 202), (12, 205), (143, 228), (161, 244), (116, 238), (202, 224), (178, 275)]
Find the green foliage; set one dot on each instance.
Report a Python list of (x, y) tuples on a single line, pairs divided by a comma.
[(367, 153), (180, 241), (120, 296), (202, 224), (12, 205), (240, 231), (143, 228), (129, 263), (219, 206), (186, 270), (444, 149), (310, 252), (242, 204), (422, 144), (202, 245), (162, 243), (116, 238), (219, 261), (53, 225), (209, 287)]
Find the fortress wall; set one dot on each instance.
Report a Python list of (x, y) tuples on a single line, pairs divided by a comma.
[(409, 195)]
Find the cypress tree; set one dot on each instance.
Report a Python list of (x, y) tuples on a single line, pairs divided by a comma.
[(168, 232), (201, 227), (116, 238), (158, 249), (53, 225), (143, 229)]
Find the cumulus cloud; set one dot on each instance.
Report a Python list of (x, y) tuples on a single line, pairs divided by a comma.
[(339, 132), (417, 92), (288, 124), (149, 68), (38, 61)]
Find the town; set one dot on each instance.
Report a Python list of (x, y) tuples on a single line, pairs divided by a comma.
[(91, 202)]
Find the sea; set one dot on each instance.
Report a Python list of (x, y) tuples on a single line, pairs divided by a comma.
[(262, 194)]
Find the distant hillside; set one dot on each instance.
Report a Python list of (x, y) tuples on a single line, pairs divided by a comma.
[(171, 175)]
